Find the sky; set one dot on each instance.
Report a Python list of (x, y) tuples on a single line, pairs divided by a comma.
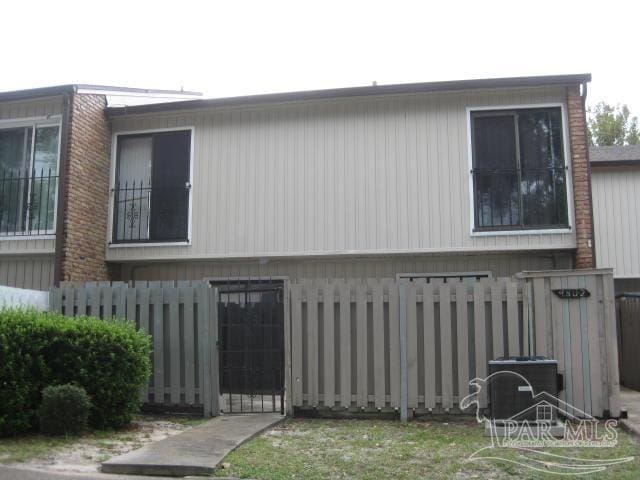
[(227, 48)]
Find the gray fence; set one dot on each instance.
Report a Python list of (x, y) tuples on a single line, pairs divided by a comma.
[(372, 344), (353, 342), (181, 318), (628, 311)]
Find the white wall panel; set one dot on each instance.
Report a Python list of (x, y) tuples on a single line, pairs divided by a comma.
[(368, 175), (616, 214)]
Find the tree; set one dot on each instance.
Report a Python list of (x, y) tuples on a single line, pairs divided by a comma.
[(612, 125)]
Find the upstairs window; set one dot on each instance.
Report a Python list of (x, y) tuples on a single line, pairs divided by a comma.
[(152, 188), (519, 172), (29, 157)]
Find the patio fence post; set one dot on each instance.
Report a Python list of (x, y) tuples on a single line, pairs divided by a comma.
[(402, 293)]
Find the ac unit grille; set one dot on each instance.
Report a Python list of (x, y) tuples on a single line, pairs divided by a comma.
[(512, 397)]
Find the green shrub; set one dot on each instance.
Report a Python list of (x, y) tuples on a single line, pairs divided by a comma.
[(64, 410), (109, 359)]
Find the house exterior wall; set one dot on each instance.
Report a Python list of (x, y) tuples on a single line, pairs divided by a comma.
[(28, 262), (86, 196), (500, 265), (363, 176), (616, 211), (21, 110), (34, 272)]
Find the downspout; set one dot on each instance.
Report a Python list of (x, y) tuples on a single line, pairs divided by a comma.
[(583, 95), (61, 212)]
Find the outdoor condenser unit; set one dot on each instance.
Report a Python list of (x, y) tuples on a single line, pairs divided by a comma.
[(512, 398)]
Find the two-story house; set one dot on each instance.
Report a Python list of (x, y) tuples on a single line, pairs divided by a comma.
[(470, 178), (54, 179)]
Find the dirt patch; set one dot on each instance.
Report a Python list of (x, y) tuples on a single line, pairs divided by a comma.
[(85, 454)]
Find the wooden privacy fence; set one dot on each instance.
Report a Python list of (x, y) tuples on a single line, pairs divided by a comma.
[(628, 313), (346, 340), (181, 318), (580, 333), (387, 344)]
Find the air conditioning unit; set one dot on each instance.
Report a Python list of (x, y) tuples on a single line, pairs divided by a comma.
[(523, 388)]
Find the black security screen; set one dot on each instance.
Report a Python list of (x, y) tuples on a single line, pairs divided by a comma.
[(519, 175), (170, 181), (152, 187)]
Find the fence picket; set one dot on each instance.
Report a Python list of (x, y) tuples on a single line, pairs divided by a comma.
[(361, 345), (595, 367), (378, 344), (296, 343), (394, 344), (158, 344), (171, 295), (445, 339), (328, 295), (189, 341), (540, 317), (513, 330), (345, 344), (462, 326), (143, 295), (81, 301), (312, 341), (429, 340), (480, 332), (496, 320), (412, 346), (69, 300)]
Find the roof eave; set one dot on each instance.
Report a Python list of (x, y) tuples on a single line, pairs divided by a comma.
[(397, 89)]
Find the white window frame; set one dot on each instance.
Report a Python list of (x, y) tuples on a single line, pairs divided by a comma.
[(112, 183), (34, 122), (567, 161)]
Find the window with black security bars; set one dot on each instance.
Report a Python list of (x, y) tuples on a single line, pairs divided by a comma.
[(519, 171)]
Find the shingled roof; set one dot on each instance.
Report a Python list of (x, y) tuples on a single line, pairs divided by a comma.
[(614, 155)]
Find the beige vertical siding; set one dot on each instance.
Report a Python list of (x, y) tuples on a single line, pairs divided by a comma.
[(364, 267), (616, 214), (33, 272), (359, 176), (16, 111), (40, 107)]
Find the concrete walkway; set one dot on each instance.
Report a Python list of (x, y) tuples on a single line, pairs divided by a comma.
[(630, 399), (197, 451)]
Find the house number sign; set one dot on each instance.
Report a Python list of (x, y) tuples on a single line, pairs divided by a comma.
[(572, 292)]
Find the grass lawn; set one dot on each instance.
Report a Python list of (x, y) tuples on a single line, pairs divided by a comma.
[(378, 449), (92, 447)]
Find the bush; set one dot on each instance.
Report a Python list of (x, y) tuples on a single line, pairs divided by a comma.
[(109, 359), (64, 410)]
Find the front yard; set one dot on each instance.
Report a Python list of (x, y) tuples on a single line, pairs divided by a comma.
[(86, 452), (377, 449)]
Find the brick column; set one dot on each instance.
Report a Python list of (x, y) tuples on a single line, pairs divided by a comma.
[(581, 170), (86, 195)]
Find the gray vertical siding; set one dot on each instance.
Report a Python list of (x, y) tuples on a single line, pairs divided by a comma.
[(364, 267), (33, 272), (373, 175), (616, 215)]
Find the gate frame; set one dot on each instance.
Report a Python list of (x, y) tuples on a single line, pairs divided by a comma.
[(286, 283)]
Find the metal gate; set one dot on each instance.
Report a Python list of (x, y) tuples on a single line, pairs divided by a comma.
[(251, 345)]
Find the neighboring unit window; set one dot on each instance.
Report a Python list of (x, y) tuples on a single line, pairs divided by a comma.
[(28, 179), (152, 188), (519, 172)]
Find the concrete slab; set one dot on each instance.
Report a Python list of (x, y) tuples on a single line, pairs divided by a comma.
[(197, 451), (630, 400)]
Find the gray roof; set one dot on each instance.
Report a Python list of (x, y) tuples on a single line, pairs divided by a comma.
[(407, 88), (615, 155), (74, 87)]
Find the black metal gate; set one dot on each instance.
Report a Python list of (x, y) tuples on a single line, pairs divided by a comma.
[(251, 345)]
